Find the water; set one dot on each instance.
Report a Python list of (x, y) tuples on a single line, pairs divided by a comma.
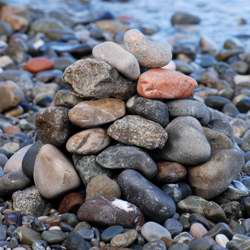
[(220, 18)]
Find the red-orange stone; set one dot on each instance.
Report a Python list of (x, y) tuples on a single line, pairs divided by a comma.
[(165, 84), (71, 202), (10, 130), (38, 64)]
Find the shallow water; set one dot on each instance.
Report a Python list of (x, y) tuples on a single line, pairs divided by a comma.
[(220, 18)]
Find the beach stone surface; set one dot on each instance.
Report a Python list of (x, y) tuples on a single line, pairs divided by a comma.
[(92, 78), (89, 141), (53, 125), (38, 64), (125, 239), (181, 131), (125, 157), (110, 212), (112, 53), (97, 112), (149, 54), (155, 203), (54, 174), (165, 84), (138, 131)]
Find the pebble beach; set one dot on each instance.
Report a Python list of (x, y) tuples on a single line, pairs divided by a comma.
[(119, 132)]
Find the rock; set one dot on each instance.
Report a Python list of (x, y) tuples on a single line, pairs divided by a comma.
[(3, 159), (216, 102), (29, 158), (53, 125), (170, 172), (38, 64), (89, 141), (97, 112), (196, 204), (239, 242), (53, 236), (29, 201), (165, 84), (220, 228), (197, 230), (15, 161), (179, 246), (66, 98), (120, 157), (53, 172), (183, 237), (153, 110), (184, 18), (92, 78), (125, 239), (206, 179), (70, 202), (87, 234), (74, 241), (152, 231), (222, 240), (102, 185), (173, 226), (27, 235), (156, 245), (138, 131), (10, 95), (155, 203), (177, 191), (201, 244), (149, 54), (13, 181), (112, 53), (110, 232), (188, 107), (87, 167), (246, 141), (110, 212), (181, 131)]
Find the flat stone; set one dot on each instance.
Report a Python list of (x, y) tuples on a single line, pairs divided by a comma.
[(110, 212), (124, 239), (87, 167), (173, 226), (92, 78), (112, 53), (53, 125), (188, 107), (184, 18), (66, 98), (74, 241), (152, 231), (157, 245), (149, 53), (197, 230), (29, 201), (153, 110), (89, 141), (38, 64), (165, 84), (152, 201), (53, 236), (125, 157), (181, 131), (97, 112), (213, 177), (53, 172), (138, 131), (170, 172), (10, 95), (111, 232), (27, 235), (102, 185)]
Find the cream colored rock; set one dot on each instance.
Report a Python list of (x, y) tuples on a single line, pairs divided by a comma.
[(15, 161), (53, 172)]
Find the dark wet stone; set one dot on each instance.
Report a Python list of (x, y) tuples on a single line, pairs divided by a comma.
[(3, 232), (239, 242), (53, 125), (86, 233), (201, 244), (87, 167), (153, 202), (181, 131), (50, 76), (27, 235), (120, 157), (220, 228), (66, 98), (184, 18), (189, 107), (243, 105), (75, 242), (179, 246), (29, 159), (3, 159), (216, 102), (246, 204), (156, 245), (110, 212), (111, 232), (173, 226), (178, 191), (153, 110), (53, 236)]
